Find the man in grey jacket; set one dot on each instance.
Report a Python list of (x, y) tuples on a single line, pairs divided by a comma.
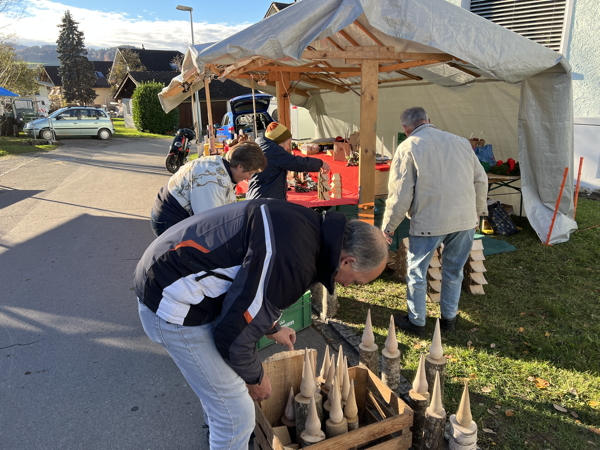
[(437, 181)]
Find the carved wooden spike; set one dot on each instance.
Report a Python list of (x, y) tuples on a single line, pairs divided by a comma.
[(476, 289), (435, 285), (325, 366), (313, 424), (330, 374), (436, 399), (351, 409), (477, 255), (340, 366), (477, 244), (345, 381), (290, 411), (435, 273), (478, 278), (477, 266), (436, 351), (434, 296), (391, 343), (308, 386), (368, 338), (420, 384), (435, 262), (336, 415), (463, 415)]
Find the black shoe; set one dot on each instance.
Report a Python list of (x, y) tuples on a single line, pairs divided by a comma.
[(448, 324), (404, 323)]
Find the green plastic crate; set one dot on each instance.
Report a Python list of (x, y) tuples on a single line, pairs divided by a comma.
[(298, 316)]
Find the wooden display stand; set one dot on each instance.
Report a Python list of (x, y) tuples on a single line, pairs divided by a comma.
[(385, 420)]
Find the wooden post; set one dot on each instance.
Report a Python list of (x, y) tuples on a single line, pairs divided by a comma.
[(390, 373), (463, 429), (419, 401), (211, 130), (368, 140), (283, 100), (311, 433), (368, 354), (435, 362), (435, 420)]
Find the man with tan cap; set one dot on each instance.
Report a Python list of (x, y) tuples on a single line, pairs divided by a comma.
[(272, 181)]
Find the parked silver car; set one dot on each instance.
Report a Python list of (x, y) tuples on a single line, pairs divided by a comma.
[(72, 121)]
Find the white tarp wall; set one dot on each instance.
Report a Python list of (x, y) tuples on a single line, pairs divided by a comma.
[(537, 115)]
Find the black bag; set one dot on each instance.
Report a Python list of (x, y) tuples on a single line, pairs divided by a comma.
[(500, 221)]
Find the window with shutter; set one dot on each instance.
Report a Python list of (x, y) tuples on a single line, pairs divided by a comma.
[(541, 21)]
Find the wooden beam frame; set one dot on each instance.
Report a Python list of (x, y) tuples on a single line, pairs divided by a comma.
[(406, 65), (368, 141), (374, 55), (464, 69)]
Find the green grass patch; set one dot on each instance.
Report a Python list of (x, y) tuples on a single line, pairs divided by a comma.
[(531, 342), (122, 131), (15, 145)]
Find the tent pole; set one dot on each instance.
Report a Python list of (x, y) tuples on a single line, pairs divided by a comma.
[(254, 111), (211, 129), (577, 188), (283, 99), (562, 187), (368, 140)]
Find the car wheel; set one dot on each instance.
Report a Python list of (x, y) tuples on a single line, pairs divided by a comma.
[(47, 134), (172, 163), (104, 134)]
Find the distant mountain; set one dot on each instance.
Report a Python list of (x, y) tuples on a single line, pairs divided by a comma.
[(46, 54)]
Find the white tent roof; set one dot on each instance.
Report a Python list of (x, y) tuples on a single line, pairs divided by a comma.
[(470, 74)]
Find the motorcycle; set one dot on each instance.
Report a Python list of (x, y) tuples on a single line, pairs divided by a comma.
[(179, 149)]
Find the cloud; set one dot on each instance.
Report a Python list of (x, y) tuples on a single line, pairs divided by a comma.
[(39, 26)]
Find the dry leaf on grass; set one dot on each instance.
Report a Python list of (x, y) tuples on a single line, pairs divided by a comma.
[(547, 334), (493, 413), (574, 414), (492, 345), (469, 344), (417, 346), (472, 376), (521, 330), (573, 391), (522, 314), (530, 378), (473, 330), (559, 408), (509, 412), (487, 389), (593, 403), (540, 383), (487, 430), (526, 352), (595, 430)]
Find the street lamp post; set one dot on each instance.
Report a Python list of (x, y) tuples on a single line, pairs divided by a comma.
[(197, 110)]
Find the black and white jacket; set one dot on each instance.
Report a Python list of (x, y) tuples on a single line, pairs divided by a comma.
[(239, 265)]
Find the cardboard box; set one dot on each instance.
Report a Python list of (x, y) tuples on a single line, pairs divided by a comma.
[(341, 150), (382, 415)]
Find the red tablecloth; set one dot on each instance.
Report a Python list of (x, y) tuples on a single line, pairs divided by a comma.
[(349, 177)]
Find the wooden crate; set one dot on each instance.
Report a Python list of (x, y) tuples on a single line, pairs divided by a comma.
[(385, 420)]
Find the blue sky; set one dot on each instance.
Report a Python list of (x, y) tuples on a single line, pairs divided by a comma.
[(155, 24)]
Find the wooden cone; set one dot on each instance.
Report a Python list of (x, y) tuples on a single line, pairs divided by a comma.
[(390, 374), (434, 296), (302, 409), (326, 388), (435, 420), (312, 430), (290, 411), (435, 362), (368, 354), (336, 424), (418, 402), (351, 409), (308, 386), (462, 429), (346, 382), (435, 285), (435, 261), (325, 366)]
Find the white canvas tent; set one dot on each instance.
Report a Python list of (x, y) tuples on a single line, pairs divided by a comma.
[(469, 74)]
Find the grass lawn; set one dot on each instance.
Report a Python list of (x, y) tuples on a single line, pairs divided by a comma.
[(122, 131), (530, 343), (13, 146)]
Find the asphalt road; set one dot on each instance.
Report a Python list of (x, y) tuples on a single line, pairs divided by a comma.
[(76, 369)]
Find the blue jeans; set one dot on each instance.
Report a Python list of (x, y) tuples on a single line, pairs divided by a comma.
[(457, 247), (222, 392), (158, 227)]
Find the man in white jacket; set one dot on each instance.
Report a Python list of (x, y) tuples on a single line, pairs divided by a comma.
[(437, 181), (203, 184)]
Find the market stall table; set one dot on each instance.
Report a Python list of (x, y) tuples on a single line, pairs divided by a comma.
[(349, 175), (507, 181)]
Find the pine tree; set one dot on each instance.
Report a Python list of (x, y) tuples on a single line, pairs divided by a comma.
[(77, 72)]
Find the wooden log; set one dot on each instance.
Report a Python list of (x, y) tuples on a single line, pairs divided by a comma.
[(335, 429), (433, 433), (390, 373), (352, 423), (307, 441), (302, 408), (461, 437), (418, 403), (369, 358), (329, 302), (431, 367)]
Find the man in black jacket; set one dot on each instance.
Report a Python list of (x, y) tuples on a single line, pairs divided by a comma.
[(272, 181), (212, 285)]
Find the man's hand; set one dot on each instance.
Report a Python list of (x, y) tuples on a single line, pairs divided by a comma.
[(285, 336), (325, 167), (262, 391), (388, 236)]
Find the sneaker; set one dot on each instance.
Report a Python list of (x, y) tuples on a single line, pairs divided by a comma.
[(404, 323), (448, 324)]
